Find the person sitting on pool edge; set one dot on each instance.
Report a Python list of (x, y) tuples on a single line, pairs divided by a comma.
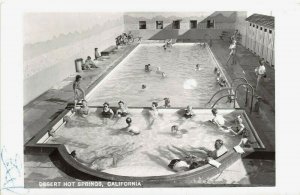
[(89, 64), (131, 128), (107, 111), (122, 110), (189, 113)]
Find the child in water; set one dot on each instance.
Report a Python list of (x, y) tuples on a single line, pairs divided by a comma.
[(130, 128)]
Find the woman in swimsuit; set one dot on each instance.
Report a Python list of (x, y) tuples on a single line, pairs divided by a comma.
[(122, 110), (107, 111), (79, 93)]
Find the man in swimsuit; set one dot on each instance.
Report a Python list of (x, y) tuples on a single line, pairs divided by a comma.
[(84, 110)]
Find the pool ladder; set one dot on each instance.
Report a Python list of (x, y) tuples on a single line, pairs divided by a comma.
[(233, 93)]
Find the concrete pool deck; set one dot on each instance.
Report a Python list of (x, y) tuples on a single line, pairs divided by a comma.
[(46, 107)]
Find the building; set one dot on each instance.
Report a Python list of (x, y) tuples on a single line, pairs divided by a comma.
[(260, 36)]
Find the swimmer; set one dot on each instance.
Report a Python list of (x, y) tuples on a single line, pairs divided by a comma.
[(221, 81), (174, 129), (189, 113), (130, 128), (107, 111), (122, 110), (163, 75), (165, 47), (197, 67), (84, 110), (219, 120), (218, 73), (240, 127), (147, 68), (167, 102), (143, 86), (215, 70), (153, 110)]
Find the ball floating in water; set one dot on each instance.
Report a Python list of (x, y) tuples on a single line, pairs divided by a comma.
[(190, 84)]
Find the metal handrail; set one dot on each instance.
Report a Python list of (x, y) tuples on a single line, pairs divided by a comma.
[(222, 98), (239, 78), (227, 88), (252, 94)]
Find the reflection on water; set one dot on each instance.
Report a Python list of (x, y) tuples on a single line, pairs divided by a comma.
[(183, 85), (103, 143)]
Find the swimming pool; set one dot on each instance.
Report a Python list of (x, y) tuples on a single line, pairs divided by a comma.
[(145, 157), (183, 85), (97, 140)]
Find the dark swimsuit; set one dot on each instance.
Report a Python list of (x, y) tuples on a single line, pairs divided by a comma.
[(106, 114), (188, 115)]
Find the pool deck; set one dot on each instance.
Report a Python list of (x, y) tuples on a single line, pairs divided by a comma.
[(46, 107)]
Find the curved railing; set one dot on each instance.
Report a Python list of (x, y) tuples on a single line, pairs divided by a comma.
[(252, 94)]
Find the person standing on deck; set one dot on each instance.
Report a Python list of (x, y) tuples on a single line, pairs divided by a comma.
[(260, 72), (97, 54), (79, 93)]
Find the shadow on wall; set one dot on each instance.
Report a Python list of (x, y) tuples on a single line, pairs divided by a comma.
[(221, 23), (166, 33)]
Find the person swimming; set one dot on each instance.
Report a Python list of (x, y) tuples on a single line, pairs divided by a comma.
[(189, 113), (221, 81), (143, 86), (167, 102), (147, 68), (122, 110), (131, 128), (197, 67), (107, 111), (163, 75), (84, 110)]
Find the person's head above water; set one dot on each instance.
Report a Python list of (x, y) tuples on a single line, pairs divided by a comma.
[(218, 144), (89, 57), (128, 120), (106, 105), (214, 111), (174, 128), (154, 104), (84, 103), (189, 108), (78, 78), (143, 86), (121, 103)]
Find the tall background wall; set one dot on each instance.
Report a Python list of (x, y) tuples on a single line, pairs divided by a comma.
[(224, 21), (52, 41)]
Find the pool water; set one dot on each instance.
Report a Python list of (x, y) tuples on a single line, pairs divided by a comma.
[(148, 153), (183, 85)]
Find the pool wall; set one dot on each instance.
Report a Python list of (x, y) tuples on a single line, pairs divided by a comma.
[(59, 153)]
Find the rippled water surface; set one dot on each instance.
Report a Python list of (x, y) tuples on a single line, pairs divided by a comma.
[(183, 85)]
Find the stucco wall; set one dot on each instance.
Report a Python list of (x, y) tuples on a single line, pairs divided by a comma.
[(224, 21), (49, 58)]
